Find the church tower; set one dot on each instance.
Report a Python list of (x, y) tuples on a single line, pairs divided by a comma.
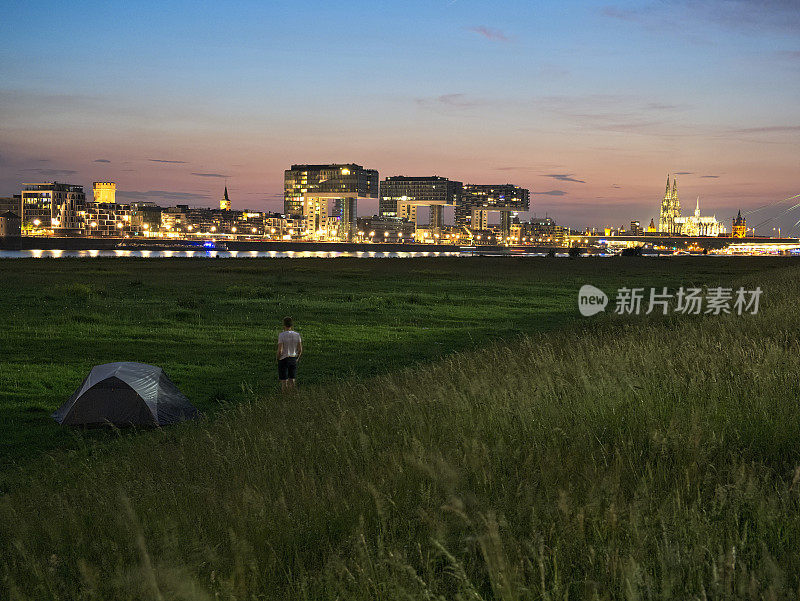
[(670, 209), (739, 229), (225, 203)]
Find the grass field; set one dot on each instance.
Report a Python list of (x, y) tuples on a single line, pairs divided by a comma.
[(552, 457), (212, 324)]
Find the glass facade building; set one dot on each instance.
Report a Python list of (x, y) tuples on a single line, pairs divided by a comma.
[(478, 200), (401, 195), (327, 197), (52, 207)]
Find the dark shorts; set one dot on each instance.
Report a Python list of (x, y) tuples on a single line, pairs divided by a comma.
[(287, 368)]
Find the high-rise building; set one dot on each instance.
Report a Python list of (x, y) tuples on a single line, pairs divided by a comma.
[(52, 207), (670, 210), (327, 197), (225, 202), (401, 196), (636, 228), (105, 192), (477, 201)]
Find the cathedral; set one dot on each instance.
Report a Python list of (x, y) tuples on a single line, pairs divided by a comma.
[(670, 210), (699, 226), (670, 221)]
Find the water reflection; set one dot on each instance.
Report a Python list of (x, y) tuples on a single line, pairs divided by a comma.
[(227, 254)]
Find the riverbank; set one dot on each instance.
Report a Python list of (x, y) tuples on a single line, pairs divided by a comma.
[(83, 243)]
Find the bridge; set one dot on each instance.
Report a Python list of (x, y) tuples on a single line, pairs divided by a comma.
[(685, 242)]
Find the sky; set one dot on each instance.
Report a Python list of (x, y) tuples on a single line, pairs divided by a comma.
[(588, 104)]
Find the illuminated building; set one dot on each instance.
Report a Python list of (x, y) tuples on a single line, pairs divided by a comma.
[(401, 196), (651, 229), (739, 229), (283, 227), (105, 192), (477, 201), (544, 231), (182, 221), (696, 225), (636, 228), (671, 222), (52, 208), (327, 197), (146, 216), (225, 202), (670, 210), (385, 229), (109, 219)]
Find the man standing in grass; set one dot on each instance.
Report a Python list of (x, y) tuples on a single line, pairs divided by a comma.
[(290, 347)]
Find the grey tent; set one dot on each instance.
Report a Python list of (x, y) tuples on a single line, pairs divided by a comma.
[(126, 394)]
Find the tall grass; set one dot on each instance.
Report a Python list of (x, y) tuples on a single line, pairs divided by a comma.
[(653, 459)]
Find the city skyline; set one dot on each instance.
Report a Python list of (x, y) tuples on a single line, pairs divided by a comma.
[(588, 105)]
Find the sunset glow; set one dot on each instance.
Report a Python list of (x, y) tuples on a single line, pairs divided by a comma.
[(587, 105)]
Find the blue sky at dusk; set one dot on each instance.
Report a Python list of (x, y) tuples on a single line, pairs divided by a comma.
[(588, 104)]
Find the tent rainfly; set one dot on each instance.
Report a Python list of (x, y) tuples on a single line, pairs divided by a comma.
[(126, 394)]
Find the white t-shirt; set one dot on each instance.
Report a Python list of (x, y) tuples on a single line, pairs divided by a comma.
[(291, 341)]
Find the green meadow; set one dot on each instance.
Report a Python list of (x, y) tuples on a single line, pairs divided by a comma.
[(212, 324), (460, 433)]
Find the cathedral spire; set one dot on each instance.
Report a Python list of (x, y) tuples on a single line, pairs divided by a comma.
[(667, 192), (697, 208)]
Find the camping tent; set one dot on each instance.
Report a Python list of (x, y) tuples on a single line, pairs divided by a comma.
[(126, 394)]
